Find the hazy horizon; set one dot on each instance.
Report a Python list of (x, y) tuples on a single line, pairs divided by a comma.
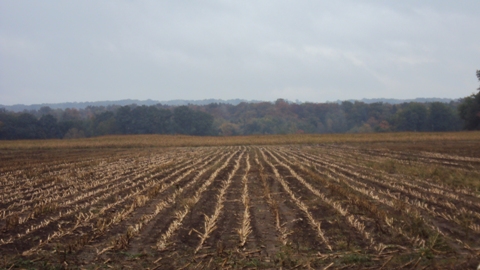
[(316, 51), (168, 102)]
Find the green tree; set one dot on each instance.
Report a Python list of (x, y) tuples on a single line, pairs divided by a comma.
[(413, 117), (162, 121), (442, 118), (124, 120), (19, 126), (469, 110), (184, 120), (104, 123), (48, 124), (188, 121)]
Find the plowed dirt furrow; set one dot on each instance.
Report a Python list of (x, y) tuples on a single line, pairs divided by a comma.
[(268, 234), (70, 178), (145, 217), (350, 205), (314, 224), (66, 178), (35, 175), (417, 229), (358, 232), (360, 160), (127, 205), (415, 182), (214, 225), (110, 222), (39, 160), (143, 235), (138, 185), (84, 199), (464, 163), (71, 194), (419, 196), (384, 196), (194, 207)]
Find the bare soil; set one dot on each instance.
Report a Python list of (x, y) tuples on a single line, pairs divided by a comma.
[(378, 204)]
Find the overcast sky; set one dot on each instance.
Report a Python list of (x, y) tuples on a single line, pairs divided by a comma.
[(58, 51)]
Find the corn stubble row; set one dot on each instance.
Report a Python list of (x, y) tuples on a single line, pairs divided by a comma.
[(108, 203), (392, 190)]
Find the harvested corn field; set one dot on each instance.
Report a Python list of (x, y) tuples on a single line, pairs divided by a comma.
[(318, 205)]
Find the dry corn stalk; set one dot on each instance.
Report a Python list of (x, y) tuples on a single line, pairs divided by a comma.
[(210, 222), (245, 228), (164, 238), (316, 225)]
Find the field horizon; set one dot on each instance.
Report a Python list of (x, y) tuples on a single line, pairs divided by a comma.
[(159, 140)]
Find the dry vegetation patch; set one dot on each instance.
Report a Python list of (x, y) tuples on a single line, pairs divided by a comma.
[(366, 201)]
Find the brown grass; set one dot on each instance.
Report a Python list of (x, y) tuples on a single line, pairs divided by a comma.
[(131, 141)]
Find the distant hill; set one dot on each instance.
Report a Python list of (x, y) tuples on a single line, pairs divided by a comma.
[(77, 105), (180, 102), (398, 101), (123, 102)]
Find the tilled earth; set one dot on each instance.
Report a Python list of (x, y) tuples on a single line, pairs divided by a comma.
[(318, 206)]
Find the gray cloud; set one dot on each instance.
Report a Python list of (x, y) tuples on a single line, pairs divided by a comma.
[(59, 51)]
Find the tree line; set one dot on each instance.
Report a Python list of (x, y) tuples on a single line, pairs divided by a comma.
[(97, 121), (469, 109), (279, 117), (282, 117)]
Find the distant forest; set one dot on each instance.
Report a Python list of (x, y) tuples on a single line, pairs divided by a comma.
[(279, 117)]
